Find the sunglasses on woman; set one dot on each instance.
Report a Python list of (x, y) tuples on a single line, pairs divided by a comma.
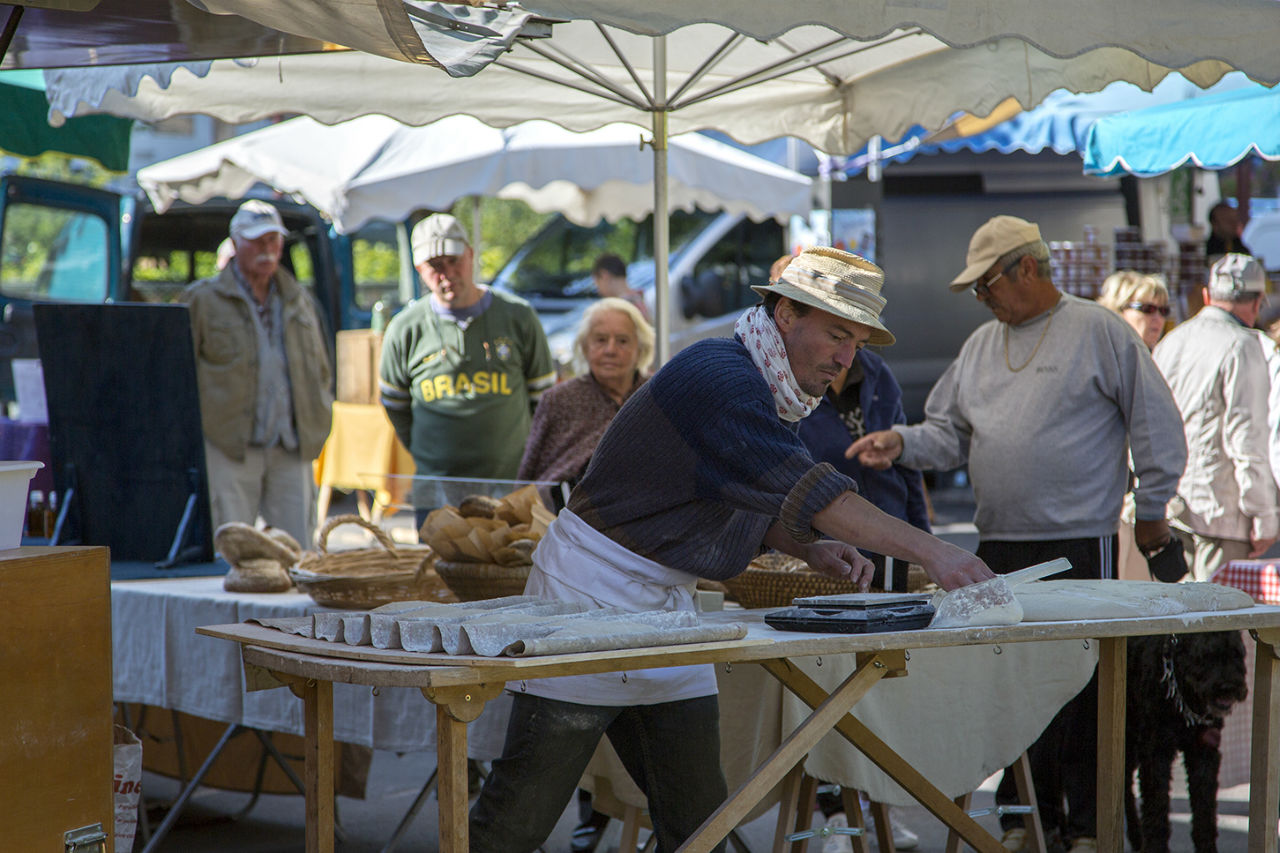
[(1149, 308)]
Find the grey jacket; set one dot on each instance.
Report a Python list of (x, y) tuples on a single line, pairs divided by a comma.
[(222, 331), (1218, 375)]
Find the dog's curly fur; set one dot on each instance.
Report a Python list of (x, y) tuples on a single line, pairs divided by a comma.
[(1209, 673)]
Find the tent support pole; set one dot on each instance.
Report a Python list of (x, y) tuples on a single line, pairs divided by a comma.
[(475, 239), (10, 29), (661, 225)]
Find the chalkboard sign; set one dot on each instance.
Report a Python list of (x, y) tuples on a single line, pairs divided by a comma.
[(124, 430)]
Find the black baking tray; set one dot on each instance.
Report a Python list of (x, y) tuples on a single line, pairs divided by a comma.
[(905, 616)]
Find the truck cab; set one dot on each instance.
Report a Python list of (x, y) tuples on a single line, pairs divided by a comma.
[(63, 242)]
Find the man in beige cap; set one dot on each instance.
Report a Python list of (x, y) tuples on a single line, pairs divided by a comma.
[(1043, 404), (1218, 375), (462, 368), (264, 376), (698, 471)]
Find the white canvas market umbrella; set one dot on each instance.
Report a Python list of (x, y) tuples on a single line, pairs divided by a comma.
[(377, 167), (810, 82)]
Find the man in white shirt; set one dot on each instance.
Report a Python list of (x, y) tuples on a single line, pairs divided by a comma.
[(1218, 375)]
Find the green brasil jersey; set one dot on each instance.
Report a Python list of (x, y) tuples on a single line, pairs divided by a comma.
[(461, 399)]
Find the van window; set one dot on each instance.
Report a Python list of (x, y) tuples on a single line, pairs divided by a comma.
[(375, 262), (162, 276), (301, 264), (722, 279), (53, 254)]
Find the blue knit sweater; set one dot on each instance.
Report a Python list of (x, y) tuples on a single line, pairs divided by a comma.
[(697, 466), (897, 490)]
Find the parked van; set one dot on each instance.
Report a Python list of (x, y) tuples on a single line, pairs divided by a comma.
[(714, 258), (64, 242)]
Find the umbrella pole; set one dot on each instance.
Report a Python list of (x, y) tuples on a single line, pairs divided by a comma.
[(475, 239), (10, 28), (661, 225)]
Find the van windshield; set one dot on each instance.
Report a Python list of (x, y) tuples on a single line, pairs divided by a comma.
[(557, 261), (53, 254)]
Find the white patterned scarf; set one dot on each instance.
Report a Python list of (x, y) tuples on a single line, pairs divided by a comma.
[(762, 340)]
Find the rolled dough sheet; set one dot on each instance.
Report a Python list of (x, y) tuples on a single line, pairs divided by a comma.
[(1071, 600)]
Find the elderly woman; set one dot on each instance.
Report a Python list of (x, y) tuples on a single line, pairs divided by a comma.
[(616, 345), (1141, 299)]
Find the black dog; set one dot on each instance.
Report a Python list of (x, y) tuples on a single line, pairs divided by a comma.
[(1179, 690)]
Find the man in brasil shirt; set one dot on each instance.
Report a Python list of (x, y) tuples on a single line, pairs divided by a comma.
[(462, 369)]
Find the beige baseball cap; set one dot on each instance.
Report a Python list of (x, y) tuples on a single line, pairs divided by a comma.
[(998, 236), (839, 283)]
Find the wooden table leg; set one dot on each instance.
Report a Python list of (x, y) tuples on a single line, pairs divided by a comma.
[(1112, 662), (455, 707), (1264, 772), (862, 738), (317, 712), (794, 748)]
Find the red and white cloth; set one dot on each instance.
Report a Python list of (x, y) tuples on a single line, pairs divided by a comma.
[(1261, 579)]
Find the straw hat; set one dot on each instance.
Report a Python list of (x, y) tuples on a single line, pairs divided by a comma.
[(837, 282)]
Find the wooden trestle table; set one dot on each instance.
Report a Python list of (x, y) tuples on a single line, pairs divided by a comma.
[(459, 687)]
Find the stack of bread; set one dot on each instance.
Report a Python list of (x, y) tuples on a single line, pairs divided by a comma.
[(489, 530)]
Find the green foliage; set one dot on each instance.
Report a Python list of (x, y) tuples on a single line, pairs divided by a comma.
[(375, 261), (504, 226), (55, 166)]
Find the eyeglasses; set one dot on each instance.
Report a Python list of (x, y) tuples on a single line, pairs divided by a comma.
[(982, 289), (1149, 308)]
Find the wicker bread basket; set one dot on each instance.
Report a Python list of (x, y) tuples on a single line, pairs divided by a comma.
[(476, 581), (772, 581), (756, 588), (364, 578)]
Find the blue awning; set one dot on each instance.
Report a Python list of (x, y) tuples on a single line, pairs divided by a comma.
[(1061, 123), (1214, 131)]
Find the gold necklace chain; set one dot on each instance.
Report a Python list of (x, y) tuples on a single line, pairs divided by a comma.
[(1043, 333)]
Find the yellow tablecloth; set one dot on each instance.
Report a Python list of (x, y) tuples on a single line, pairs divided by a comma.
[(361, 452)]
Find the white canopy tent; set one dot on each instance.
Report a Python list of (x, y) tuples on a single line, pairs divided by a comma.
[(810, 83), (377, 167), (870, 69)]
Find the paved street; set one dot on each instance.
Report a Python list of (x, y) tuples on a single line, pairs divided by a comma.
[(276, 824)]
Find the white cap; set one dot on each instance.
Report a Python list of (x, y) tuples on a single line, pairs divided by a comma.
[(436, 236), (255, 218), (1235, 277)]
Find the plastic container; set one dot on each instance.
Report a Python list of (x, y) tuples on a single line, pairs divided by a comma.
[(15, 477)]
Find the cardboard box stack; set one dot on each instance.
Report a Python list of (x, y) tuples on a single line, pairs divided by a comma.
[(359, 351)]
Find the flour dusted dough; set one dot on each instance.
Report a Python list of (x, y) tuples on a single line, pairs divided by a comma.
[(989, 602), (1070, 600)]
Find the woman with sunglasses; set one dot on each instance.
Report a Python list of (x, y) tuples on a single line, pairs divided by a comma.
[(1141, 299)]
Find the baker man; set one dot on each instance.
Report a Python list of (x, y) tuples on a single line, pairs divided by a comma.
[(698, 471), (263, 372), (1042, 404)]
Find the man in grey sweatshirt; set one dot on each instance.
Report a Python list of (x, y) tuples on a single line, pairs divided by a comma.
[(1042, 403)]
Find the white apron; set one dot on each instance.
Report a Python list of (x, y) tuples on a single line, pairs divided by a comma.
[(575, 562)]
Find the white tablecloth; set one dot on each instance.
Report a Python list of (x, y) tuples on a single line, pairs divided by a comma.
[(160, 660), (961, 714)]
